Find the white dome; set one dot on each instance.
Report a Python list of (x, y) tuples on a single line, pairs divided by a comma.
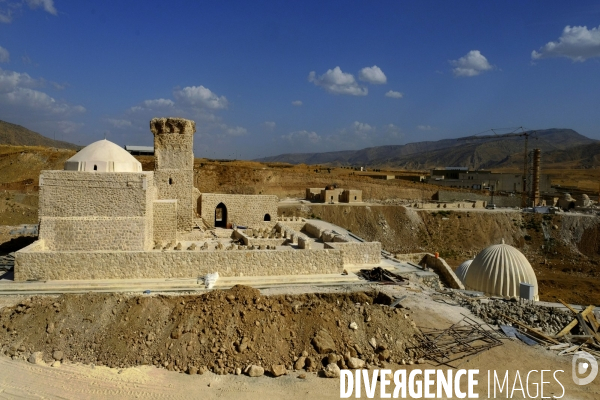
[(498, 271), (103, 156), (461, 271)]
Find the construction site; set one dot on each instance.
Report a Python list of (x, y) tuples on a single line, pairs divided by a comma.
[(169, 276)]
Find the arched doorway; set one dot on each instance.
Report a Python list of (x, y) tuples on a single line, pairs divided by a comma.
[(267, 217), (221, 216)]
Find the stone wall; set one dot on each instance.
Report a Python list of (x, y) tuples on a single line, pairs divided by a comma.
[(174, 165), (351, 196), (43, 265), (357, 252), (252, 241), (165, 220), (178, 185), (95, 233), (173, 143), (454, 205), (314, 230), (90, 194), (245, 210), (96, 211), (442, 268), (500, 201)]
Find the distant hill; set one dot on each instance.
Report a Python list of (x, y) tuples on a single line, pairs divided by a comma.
[(17, 135), (583, 156), (474, 153)]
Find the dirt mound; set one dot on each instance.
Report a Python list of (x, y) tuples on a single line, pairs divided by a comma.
[(219, 330)]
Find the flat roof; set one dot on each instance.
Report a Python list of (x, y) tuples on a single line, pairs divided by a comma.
[(139, 148)]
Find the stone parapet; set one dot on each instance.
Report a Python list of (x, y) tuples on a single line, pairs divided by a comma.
[(32, 264), (358, 252)]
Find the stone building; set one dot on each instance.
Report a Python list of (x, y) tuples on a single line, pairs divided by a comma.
[(102, 217), (458, 177), (333, 195)]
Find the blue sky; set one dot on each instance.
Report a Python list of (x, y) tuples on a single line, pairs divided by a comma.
[(267, 77)]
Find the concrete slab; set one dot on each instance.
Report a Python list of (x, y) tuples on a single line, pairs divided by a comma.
[(9, 287)]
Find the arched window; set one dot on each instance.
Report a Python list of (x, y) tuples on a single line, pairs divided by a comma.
[(221, 216), (267, 217), (95, 168)]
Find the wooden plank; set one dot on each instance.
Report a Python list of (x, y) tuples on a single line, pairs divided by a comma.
[(588, 310), (586, 329), (589, 316), (574, 311), (592, 318), (567, 328), (569, 350), (559, 346), (539, 334)]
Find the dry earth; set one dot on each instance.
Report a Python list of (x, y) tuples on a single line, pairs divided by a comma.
[(73, 379), (217, 331), (563, 249)]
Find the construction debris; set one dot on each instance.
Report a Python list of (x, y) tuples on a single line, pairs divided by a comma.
[(382, 276), (7, 262), (463, 339), (550, 320), (587, 323)]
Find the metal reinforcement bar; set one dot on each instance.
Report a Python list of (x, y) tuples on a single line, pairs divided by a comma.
[(463, 339)]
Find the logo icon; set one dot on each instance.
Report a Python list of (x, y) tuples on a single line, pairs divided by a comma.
[(584, 364)]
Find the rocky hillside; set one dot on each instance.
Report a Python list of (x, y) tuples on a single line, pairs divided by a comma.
[(494, 152), (564, 250), (16, 135)]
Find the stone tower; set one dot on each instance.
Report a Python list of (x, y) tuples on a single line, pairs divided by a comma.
[(174, 165)]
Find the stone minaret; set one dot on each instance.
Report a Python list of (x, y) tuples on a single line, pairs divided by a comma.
[(174, 165)]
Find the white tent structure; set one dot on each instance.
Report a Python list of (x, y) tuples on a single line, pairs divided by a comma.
[(461, 271), (103, 156), (499, 270)]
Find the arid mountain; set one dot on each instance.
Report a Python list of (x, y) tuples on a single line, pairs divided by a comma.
[(16, 135), (495, 152)]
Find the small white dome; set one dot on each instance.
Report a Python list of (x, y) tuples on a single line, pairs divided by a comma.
[(498, 271), (461, 271), (103, 156)]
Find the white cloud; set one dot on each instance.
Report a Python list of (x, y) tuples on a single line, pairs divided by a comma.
[(5, 17), (236, 131), (362, 127), (69, 126), (10, 8), (394, 95), (4, 55), (48, 5), (337, 82), (302, 136), (372, 75), (200, 96), (577, 43), (11, 80), (297, 103), (119, 123), (269, 125), (39, 101), (393, 131), (16, 91), (425, 127), (153, 105), (472, 64)]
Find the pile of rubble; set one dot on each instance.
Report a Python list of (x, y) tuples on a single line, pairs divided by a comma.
[(225, 331), (550, 320)]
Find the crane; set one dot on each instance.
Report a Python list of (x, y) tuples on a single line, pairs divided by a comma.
[(516, 132)]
